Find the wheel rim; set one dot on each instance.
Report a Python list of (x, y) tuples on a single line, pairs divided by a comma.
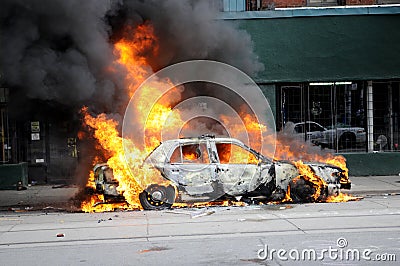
[(156, 196)]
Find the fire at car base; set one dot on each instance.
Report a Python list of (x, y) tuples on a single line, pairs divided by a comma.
[(193, 179)]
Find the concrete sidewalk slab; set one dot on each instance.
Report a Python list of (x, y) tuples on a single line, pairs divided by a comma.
[(374, 185), (52, 196)]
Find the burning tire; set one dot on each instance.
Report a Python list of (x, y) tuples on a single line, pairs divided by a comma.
[(157, 197), (301, 190)]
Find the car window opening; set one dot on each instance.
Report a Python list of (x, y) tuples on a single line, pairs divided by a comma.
[(192, 153), (232, 154)]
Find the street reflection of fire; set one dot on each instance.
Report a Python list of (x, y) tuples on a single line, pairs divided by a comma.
[(129, 52), (342, 197)]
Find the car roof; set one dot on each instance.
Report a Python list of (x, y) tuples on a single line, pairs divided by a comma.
[(298, 123), (202, 138)]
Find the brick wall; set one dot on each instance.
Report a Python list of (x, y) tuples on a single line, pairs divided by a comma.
[(270, 4), (288, 3), (360, 2)]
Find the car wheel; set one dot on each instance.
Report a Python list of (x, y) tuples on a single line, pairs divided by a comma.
[(347, 140), (157, 197), (301, 190)]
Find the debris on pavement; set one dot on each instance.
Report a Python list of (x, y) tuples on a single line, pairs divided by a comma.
[(177, 212), (153, 249), (103, 220), (202, 213), (60, 186), (50, 208)]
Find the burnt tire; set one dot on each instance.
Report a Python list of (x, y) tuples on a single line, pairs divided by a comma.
[(157, 197), (301, 190)]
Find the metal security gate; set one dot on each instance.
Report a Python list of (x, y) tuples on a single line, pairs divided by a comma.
[(343, 116), (330, 114)]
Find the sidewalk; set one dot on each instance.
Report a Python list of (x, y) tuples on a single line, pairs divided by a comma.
[(374, 185), (41, 197), (59, 198)]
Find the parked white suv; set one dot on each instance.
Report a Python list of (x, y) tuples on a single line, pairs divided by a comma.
[(346, 137)]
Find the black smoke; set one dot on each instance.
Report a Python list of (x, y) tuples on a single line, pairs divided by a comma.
[(57, 50)]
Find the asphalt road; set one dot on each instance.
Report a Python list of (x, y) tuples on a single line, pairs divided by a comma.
[(322, 233)]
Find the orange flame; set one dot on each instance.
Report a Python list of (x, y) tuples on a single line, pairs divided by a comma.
[(106, 133), (306, 172), (130, 52), (342, 197)]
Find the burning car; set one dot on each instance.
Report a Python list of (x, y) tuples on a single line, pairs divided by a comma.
[(207, 168)]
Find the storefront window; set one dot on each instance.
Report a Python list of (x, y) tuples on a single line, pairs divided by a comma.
[(333, 114)]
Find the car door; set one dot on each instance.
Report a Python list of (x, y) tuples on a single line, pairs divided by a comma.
[(299, 131), (237, 168), (314, 132), (190, 166)]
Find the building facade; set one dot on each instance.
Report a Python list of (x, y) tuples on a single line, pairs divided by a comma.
[(260, 5), (338, 67)]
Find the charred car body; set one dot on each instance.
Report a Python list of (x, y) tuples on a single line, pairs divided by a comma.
[(106, 184), (208, 168)]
